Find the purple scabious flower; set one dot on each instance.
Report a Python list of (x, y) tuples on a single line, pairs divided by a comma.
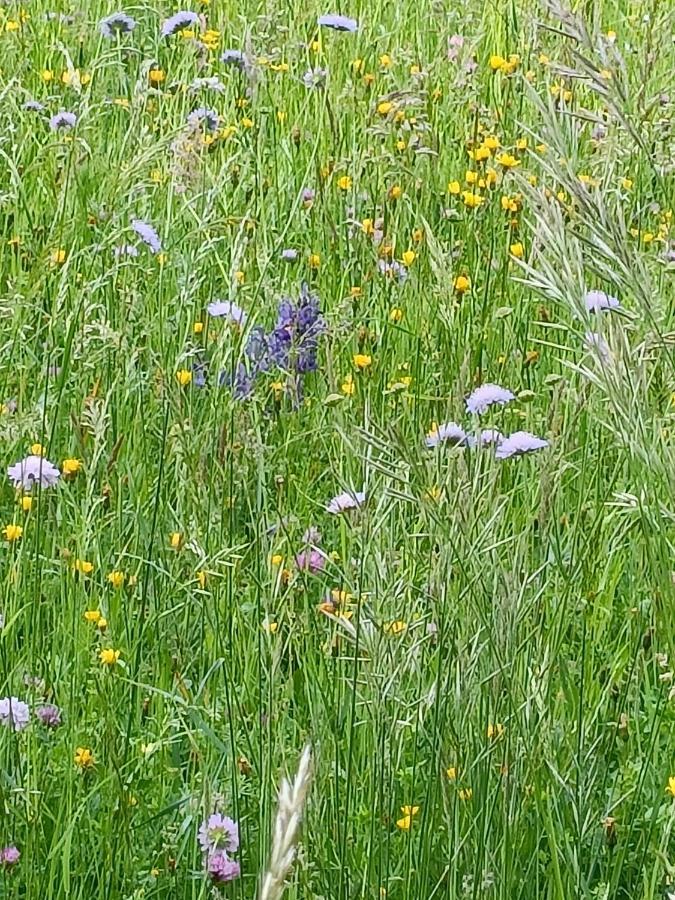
[(117, 23), (63, 121), (289, 255), (487, 395), (218, 833), (484, 437), (393, 270), (221, 868), (233, 58), (178, 22), (308, 197), (14, 713), (33, 106), (447, 433), (518, 443), (225, 309), (206, 119), (147, 234), (49, 715), (9, 856), (338, 22), (315, 78), (311, 560), (597, 301), (31, 471), (346, 501)]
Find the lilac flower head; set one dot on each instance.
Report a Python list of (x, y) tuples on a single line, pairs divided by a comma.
[(233, 58), (596, 301), (125, 250), (487, 395), (9, 856), (393, 270), (338, 22), (14, 713), (518, 443), (484, 437), (147, 234), (31, 471), (218, 833), (225, 309), (289, 255), (312, 535), (311, 560), (63, 121), (178, 22), (116, 24), (455, 44), (221, 868), (33, 106), (49, 715), (447, 433), (206, 119), (315, 78), (308, 196), (346, 501)]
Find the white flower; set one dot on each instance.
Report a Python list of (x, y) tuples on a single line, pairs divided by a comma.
[(487, 395), (346, 501), (225, 309), (518, 443), (596, 301), (31, 471), (446, 433), (484, 437), (14, 713)]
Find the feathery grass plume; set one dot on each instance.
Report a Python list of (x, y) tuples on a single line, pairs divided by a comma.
[(289, 815)]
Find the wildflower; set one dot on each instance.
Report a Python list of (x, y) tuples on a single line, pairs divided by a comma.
[(408, 257), (315, 78), (518, 443), (495, 731), (197, 327), (63, 121), (395, 192), (395, 628), (12, 533), (37, 449), (225, 309), (109, 657), (346, 501), (362, 361), (384, 107), (311, 560), (454, 187), (270, 626), (179, 22), (183, 377), (338, 22), (484, 437), (348, 386), (233, 58), (147, 234), (205, 119), (26, 504), (409, 812), (84, 758), (71, 466), (175, 540), (116, 578), (83, 566), (395, 315), (344, 183), (125, 250), (465, 794), (221, 868), (471, 200), (156, 76), (14, 713), (218, 833), (307, 197), (596, 301), (289, 255), (507, 160), (487, 395), (393, 270), (670, 789), (92, 615), (446, 433), (116, 24), (9, 856), (49, 715), (497, 62), (517, 250), (31, 471), (451, 773), (314, 260), (462, 284)]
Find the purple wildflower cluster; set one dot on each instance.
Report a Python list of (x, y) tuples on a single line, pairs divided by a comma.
[(15, 714), (219, 837), (291, 346), (9, 856)]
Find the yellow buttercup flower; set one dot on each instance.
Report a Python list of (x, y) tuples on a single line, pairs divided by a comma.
[(183, 377), (12, 533), (109, 657), (462, 284), (362, 361), (409, 813), (71, 466), (116, 578), (84, 758)]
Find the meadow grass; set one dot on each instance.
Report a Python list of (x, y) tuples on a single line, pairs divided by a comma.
[(478, 656)]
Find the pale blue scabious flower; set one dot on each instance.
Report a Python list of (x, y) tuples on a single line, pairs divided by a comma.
[(117, 23), (346, 501), (289, 255), (487, 395), (179, 21), (14, 713), (338, 22), (447, 433), (484, 437), (147, 234), (63, 121), (208, 119), (218, 832), (597, 301), (518, 443), (31, 471), (225, 309), (233, 58), (33, 106)]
